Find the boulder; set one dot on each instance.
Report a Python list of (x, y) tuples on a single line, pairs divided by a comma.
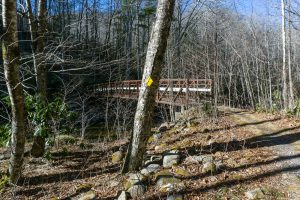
[(157, 158), (90, 195), (117, 157), (209, 167), (165, 177), (171, 187), (171, 158), (175, 197), (136, 191), (123, 196), (154, 160), (255, 194), (152, 168), (134, 179)]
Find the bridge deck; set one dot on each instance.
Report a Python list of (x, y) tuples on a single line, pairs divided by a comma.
[(171, 91)]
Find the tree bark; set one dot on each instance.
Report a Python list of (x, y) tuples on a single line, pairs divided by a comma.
[(11, 56), (291, 92), (153, 65), (284, 82), (38, 147)]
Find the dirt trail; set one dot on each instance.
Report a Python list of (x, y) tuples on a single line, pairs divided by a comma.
[(283, 139)]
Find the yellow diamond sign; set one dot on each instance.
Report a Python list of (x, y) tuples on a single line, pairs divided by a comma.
[(149, 81)]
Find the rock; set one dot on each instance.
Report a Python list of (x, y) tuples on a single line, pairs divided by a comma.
[(134, 179), (154, 160), (209, 167), (123, 196), (175, 197), (137, 191), (145, 172), (163, 127), (90, 195), (170, 187), (157, 158), (167, 181), (164, 178), (255, 194), (171, 158), (117, 157), (152, 168)]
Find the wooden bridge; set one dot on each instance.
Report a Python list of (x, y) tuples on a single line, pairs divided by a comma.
[(171, 91)]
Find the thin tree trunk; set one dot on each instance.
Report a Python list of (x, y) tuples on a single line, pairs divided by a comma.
[(291, 92), (284, 82), (11, 56), (38, 147), (153, 65)]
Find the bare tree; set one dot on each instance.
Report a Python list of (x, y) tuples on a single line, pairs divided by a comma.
[(38, 146), (153, 65), (284, 81), (291, 92), (11, 56)]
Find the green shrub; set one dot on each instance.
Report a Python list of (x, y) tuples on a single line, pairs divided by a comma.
[(5, 134), (207, 109), (3, 182), (44, 117), (296, 110)]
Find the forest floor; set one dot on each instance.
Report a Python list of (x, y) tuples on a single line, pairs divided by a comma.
[(258, 150)]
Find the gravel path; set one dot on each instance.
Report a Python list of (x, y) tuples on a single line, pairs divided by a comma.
[(284, 140)]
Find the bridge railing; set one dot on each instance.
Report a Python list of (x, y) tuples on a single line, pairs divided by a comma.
[(170, 91)]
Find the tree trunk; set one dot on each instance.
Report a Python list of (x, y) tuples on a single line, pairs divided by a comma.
[(11, 56), (284, 82), (153, 65), (38, 147), (291, 92)]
